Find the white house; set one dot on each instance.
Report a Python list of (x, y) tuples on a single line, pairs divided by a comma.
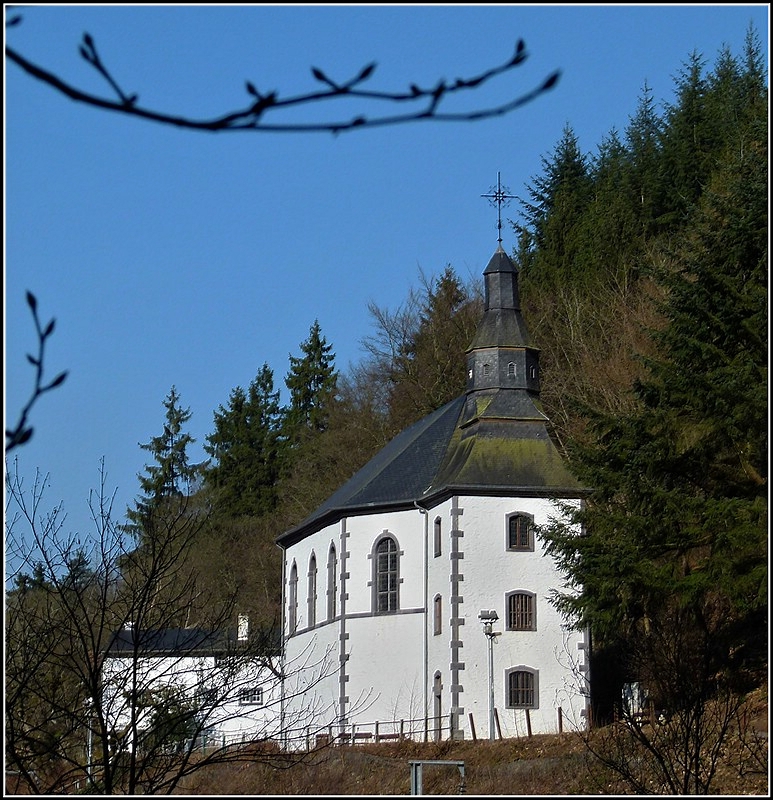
[(217, 691), (385, 583)]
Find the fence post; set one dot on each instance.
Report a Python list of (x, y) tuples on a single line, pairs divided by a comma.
[(528, 722), (472, 728), (376, 731), (496, 720), (560, 720), (402, 729)]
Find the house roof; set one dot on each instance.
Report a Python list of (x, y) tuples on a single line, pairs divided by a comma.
[(193, 641), (492, 440)]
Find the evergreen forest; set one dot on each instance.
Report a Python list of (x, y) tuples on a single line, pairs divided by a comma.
[(643, 268)]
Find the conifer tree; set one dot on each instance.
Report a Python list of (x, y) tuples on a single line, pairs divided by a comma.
[(245, 449), (312, 383), (428, 369), (553, 212), (643, 141), (687, 141), (171, 475)]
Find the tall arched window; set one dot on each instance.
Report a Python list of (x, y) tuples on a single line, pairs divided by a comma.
[(520, 532), (332, 582), (437, 625), (292, 600), (438, 537), (386, 575), (312, 598)]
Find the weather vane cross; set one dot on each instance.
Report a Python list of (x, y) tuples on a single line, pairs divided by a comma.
[(499, 196)]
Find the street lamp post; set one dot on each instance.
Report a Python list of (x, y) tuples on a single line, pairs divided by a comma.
[(488, 618)]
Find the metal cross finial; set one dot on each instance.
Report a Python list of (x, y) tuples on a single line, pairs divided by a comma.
[(499, 195)]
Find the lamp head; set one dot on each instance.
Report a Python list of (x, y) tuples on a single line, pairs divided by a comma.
[(488, 617)]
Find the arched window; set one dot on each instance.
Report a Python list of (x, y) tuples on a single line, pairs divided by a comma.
[(292, 600), (511, 369), (332, 582), (438, 537), (520, 532), (522, 688), (312, 598), (521, 611), (437, 624), (386, 576)]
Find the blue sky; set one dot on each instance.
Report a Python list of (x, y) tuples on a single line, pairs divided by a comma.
[(176, 257)]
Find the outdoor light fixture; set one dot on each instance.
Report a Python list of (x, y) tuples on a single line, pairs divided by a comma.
[(488, 618)]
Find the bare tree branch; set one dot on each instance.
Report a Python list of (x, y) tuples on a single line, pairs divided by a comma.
[(22, 433), (252, 116)]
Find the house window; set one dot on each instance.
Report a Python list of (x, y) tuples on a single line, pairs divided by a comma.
[(386, 577), (312, 598), (522, 690), (520, 532), (486, 369), (438, 615), (292, 600), (511, 369), (438, 537), (520, 611), (253, 696), (332, 582)]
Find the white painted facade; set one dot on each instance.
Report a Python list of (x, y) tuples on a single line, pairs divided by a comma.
[(429, 659), (236, 702)]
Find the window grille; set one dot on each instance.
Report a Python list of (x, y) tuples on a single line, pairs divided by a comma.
[(520, 611), (521, 689)]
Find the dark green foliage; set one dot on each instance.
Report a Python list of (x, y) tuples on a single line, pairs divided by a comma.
[(558, 200), (245, 449), (427, 369), (312, 383), (171, 475), (675, 530), (644, 185)]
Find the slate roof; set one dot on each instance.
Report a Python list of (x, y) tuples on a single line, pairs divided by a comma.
[(490, 441), (165, 641)]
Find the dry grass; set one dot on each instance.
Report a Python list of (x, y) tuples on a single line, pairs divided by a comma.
[(541, 765)]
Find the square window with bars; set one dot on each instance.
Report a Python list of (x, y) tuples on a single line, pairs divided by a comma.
[(520, 689), (520, 612)]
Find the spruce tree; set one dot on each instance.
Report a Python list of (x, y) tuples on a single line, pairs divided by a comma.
[(429, 368), (312, 383), (553, 213), (245, 449), (171, 475), (643, 140)]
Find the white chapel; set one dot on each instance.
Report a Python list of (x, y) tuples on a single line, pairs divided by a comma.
[(419, 591)]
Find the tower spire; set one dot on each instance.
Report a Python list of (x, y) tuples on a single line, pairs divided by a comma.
[(499, 196)]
